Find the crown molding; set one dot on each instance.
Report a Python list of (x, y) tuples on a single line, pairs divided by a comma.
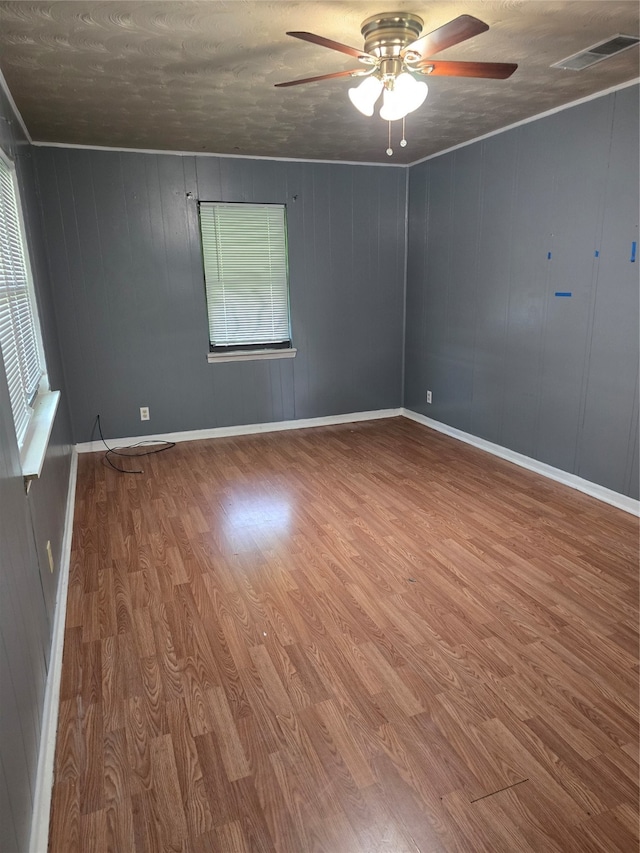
[(5, 88), (536, 117), (117, 149)]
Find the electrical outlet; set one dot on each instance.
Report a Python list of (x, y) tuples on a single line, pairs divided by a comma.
[(429, 399), (144, 413), (50, 555)]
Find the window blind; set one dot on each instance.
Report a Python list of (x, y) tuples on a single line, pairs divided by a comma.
[(246, 274), (18, 340)]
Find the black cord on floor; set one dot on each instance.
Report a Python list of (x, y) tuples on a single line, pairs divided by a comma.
[(166, 445)]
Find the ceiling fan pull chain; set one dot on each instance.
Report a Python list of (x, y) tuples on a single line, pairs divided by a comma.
[(389, 149), (403, 141)]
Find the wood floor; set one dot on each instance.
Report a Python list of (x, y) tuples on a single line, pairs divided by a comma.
[(351, 639)]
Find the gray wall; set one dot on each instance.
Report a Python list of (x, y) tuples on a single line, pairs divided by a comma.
[(126, 268), (554, 378), (27, 588)]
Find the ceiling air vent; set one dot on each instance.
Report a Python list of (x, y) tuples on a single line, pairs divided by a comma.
[(597, 52)]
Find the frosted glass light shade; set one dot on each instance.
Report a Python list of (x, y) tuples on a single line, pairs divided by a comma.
[(364, 96), (405, 97)]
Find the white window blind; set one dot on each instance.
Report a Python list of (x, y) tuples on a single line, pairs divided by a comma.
[(18, 338), (246, 274)]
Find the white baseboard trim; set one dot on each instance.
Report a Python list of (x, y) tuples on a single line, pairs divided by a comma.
[(574, 482), (245, 429), (600, 492), (39, 839)]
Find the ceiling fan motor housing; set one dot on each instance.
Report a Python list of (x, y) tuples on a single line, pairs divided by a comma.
[(387, 33)]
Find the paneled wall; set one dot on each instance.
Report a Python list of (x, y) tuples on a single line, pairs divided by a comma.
[(124, 248), (498, 231), (27, 587)]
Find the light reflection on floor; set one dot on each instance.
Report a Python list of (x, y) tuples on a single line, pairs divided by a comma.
[(262, 517)]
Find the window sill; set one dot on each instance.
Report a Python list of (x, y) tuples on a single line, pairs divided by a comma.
[(250, 355), (34, 447)]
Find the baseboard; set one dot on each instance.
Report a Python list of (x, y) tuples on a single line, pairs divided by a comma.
[(574, 482), (245, 429), (44, 778)]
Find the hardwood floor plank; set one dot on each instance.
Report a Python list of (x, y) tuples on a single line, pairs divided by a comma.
[(303, 771), (195, 697), (64, 829), (537, 761), (374, 824), (366, 638), (119, 827), (333, 762), (275, 695), (107, 603), (195, 801), (336, 726), (260, 791), (93, 831), (606, 833), (220, 795), (233, 757), (113, 688), (70, 746), (138, 749), (91, 782), (524, 826), (618, 774), (473, 830), (253, 819), (488, 770), (231, 837), (154, 696), (414, 820), (117, 774), (166, 653), (166, 788)]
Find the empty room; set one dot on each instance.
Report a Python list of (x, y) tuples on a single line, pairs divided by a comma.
[(319, 444)]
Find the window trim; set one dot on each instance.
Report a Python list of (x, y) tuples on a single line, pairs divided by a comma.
[(250, 355), (36, 441), (33, 447), (258, 350)]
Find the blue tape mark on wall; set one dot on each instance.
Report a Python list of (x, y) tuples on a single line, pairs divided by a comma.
[(634, 246), (561, 293), (548, 256)]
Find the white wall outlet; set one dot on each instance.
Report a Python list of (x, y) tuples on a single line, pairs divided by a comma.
[(50, 555), (429, 399), (144, 413)]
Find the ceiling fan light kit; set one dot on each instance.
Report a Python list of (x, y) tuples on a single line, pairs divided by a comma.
[(394, 51), (364, 96), (403, 97)]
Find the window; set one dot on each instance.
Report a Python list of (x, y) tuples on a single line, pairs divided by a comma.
[(246, 279), (20, 344)]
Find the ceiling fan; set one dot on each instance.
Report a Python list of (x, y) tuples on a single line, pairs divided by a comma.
[(394, 51)]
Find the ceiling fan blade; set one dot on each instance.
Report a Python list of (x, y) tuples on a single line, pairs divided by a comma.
[(333, 45), (490, 70), (460, 29), (356, 72)]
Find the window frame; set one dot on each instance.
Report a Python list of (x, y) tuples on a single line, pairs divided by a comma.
[(42, 406), (256, 350)]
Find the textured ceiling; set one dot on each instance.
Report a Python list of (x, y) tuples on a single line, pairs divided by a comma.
[(198, 76)]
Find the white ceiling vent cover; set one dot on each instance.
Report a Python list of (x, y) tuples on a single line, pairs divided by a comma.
[(597, 52)]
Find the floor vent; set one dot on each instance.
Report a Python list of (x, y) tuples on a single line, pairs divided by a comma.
[(597, 52)]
